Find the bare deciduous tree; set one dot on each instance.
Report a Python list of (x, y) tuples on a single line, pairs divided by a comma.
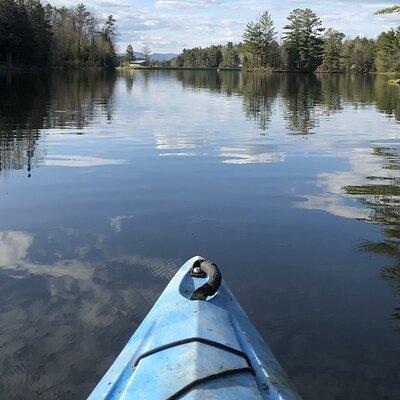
[(146, 52)]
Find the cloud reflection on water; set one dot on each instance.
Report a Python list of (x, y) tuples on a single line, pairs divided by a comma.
[(70, 307), (79, 161), (13, 247)]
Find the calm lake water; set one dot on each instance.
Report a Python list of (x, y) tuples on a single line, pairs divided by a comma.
[(109, 182)]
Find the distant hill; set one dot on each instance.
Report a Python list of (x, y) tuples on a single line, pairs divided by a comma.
[(157, 56)]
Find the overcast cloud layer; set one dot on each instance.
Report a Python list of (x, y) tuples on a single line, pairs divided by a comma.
[(171, 25)]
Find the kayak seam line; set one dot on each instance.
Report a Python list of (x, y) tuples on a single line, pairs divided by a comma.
[(208, 378), (195, 339)]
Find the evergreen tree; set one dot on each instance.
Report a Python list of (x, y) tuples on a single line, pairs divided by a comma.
[(42, 35), (230, 56), (253, 43), (214, 56), (359, 55), (303, 41), (129, 53), (109, 30), (107, 46), (209, 57), (389, 10), (388, 51), (268, 43), (81, 21), (332, 51), (16, 33)]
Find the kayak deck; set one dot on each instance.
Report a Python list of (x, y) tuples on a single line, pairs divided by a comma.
[(191, 349)]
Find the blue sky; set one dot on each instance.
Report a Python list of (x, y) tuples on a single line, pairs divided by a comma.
[(171, 25)]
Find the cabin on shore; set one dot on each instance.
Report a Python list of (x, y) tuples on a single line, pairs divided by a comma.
[(138, 63)]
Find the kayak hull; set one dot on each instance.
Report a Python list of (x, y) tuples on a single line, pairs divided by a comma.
[(191, 349)]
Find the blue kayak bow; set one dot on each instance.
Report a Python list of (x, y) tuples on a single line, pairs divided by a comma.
[(195, 343)]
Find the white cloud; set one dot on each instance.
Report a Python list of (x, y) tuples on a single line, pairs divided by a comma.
[(186, 3), (190, 23)]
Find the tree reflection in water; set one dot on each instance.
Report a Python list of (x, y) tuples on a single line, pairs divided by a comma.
[(32, 102), (305, 97), (73, 99), (382, 196)]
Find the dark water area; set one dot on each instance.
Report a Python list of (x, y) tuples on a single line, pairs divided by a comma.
[(110, 181)]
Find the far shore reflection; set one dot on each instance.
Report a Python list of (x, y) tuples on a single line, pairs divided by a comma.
[(75, 99), (30, 103)]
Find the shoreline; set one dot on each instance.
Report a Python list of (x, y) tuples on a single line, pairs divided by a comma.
[(261, 70), (29, 69), (37, 68), (179, 68)]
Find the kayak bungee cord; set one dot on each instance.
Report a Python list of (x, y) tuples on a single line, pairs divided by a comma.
[(200, 269)]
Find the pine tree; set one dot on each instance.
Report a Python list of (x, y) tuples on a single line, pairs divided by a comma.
[(268, 42), (333, 46), (42, 35), (303, 41), (129, 53), (230, 57), (109, 30), (108, 46), (82, 21), (359, 55), (388, 51), (389, 10), (253, 43)]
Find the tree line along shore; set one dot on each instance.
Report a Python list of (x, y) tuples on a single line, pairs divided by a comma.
[(305, 46), (33, 34)]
